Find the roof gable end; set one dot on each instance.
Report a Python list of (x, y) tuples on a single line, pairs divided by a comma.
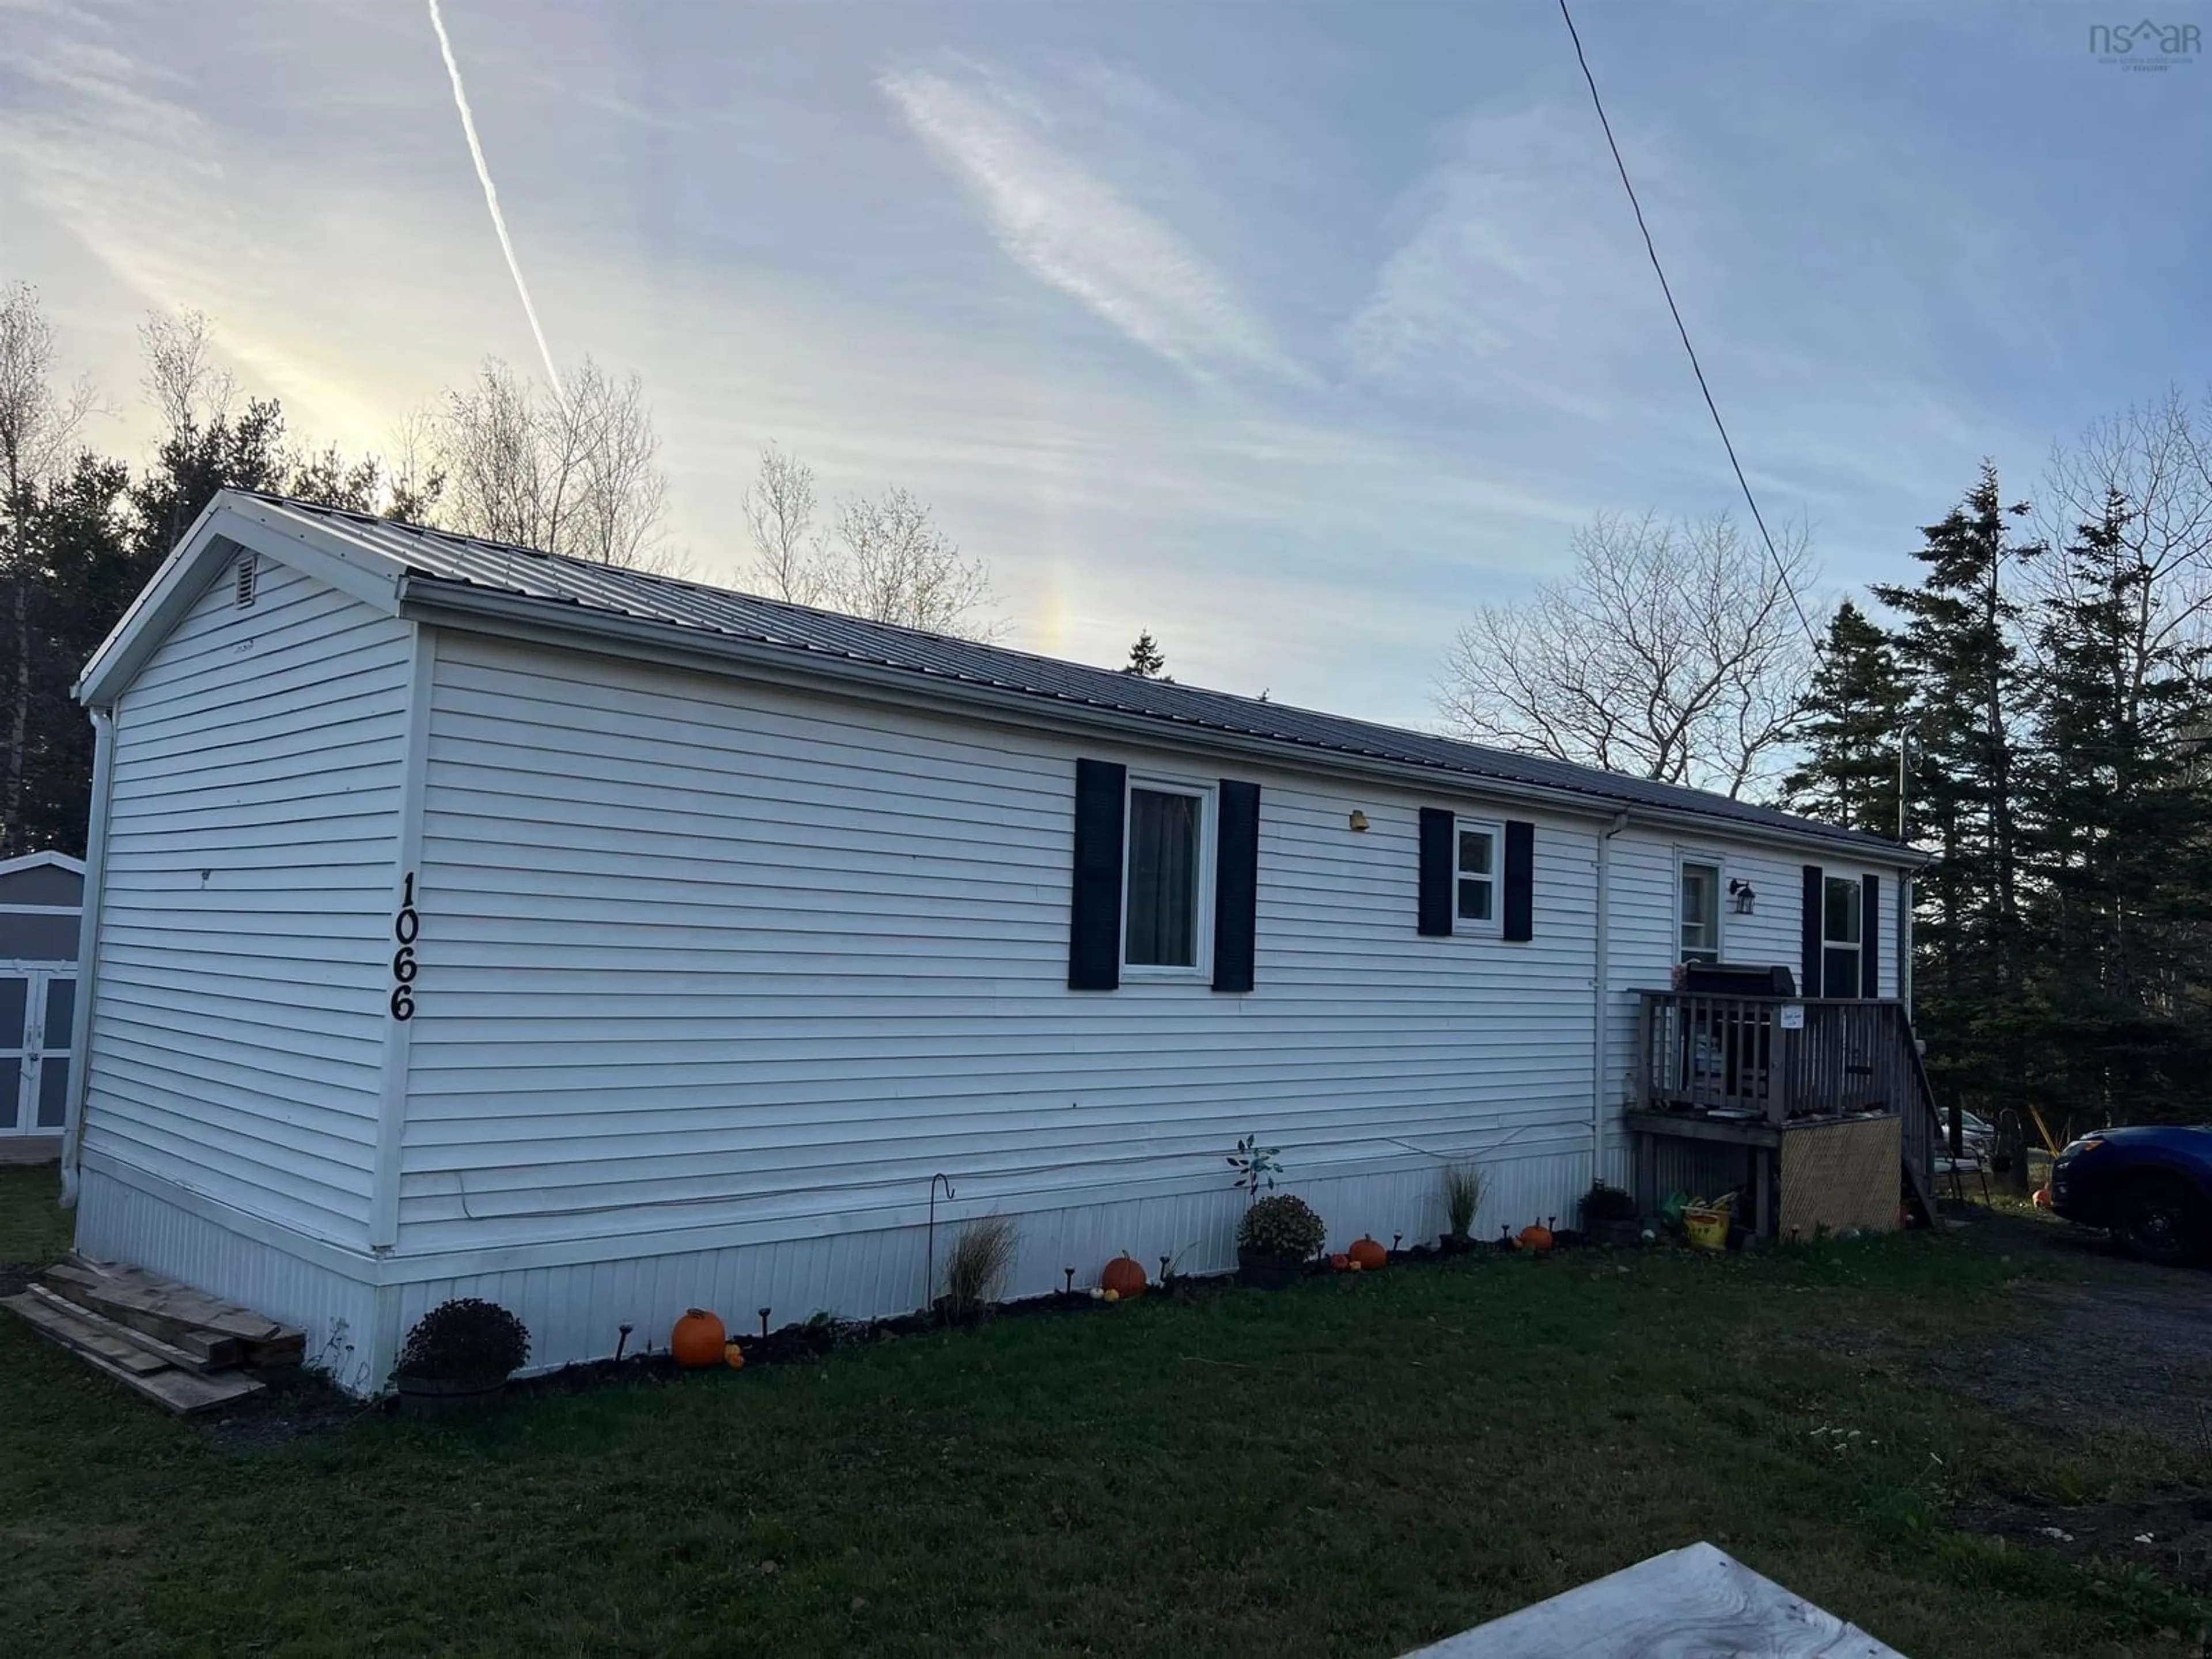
[(232, 520)]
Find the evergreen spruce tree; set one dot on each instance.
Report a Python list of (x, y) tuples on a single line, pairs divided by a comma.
[(1854, 719), (1958, 650), (2116, 809), (1145, 661)]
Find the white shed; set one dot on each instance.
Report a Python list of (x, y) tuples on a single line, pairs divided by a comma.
[(41, 905), (467, 920)]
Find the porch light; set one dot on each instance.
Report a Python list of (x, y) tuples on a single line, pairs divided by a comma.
[(1358, 820), (1741, 898)]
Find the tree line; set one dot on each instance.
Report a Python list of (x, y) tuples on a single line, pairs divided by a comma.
[(2034, 710), (575, 470)]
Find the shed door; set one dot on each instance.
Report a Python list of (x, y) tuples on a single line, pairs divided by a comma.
[(16, 1007), (38, 1011), (46, 1068)]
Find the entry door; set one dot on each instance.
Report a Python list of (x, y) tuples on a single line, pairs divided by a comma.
[(37, 1014)]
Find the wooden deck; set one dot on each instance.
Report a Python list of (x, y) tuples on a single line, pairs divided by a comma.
[(1697, 1602), (1749, 1072)]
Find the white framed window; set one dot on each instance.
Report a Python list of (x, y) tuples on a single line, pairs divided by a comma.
[(1167, 878), (1475, 907), (1842, 936), (1698, 885)]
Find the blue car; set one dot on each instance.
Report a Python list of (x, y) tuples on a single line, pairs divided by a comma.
[(2150, 1186)]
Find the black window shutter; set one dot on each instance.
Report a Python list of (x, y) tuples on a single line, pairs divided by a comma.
[(1871, 937), (1810, 985), (1236, 885), (1437, 869), (1519, 879), (1094, 932)]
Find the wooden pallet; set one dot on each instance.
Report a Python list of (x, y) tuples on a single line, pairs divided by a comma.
[(177, 1345)]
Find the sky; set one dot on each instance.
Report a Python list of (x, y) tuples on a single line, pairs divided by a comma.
[(1291, 333)]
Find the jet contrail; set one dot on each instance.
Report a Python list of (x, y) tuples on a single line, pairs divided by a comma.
[(491, 198)]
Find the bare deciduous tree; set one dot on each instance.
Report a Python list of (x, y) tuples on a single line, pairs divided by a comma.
[(884, 559), (2157, 459), (576, 474), (1672, 652), (181, 378), (38, 424), (778, 513)]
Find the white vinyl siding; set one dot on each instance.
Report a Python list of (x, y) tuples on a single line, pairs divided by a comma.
[(251, 833), (1646, 923), (695, 954)]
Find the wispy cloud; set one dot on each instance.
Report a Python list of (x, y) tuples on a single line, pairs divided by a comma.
[(1072, 229), (1514, 281)]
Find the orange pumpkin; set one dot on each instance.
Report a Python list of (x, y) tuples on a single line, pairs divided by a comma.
[(1342, 1262), (1536, 1236), (1369, 1255), (697, 1340), (1124, 1276), (734, 1356)]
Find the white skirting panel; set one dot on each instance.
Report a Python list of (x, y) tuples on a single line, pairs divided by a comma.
[(576, 1313), (118, 1221)]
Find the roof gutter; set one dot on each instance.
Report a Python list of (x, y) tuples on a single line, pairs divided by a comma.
[(564, 622)]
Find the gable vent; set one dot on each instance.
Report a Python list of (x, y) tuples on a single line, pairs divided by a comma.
[(247, 569)]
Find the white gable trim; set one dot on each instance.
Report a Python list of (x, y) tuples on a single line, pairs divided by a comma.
[(230, 519), (41, 860)]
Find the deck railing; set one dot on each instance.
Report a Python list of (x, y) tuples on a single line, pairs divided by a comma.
[(1780, 1060)]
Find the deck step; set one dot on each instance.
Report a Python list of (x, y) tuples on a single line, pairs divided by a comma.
[(187, 1392), (222, 1333)]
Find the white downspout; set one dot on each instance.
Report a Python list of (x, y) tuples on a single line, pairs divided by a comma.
[(1602, 995), (88, 952)]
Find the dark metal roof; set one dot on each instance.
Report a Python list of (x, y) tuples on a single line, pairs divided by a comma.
[(501, 567)]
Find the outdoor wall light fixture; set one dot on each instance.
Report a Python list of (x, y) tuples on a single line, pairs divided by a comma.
[(1359, 819), (1741, 898)]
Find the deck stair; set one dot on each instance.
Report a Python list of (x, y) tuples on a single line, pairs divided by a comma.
[(184, 1350)]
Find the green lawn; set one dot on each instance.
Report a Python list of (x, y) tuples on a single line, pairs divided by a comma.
[(1354, 1467)]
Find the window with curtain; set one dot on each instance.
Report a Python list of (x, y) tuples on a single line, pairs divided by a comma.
[(1163, 874), (1842, 937), (1701, 912)]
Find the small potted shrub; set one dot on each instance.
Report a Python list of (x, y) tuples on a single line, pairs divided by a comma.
[(1609, 1216), (1463, 1186), (1275, 1240), (460, 1352)]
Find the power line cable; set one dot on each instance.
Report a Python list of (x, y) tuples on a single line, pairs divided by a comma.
[(1719, 425)]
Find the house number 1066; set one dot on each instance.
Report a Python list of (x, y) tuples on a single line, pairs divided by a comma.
[(405, 927)]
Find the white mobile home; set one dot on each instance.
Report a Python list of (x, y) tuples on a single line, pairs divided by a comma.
[(465, 921)]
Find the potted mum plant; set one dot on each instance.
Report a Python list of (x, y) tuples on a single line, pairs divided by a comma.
[(1609, 1216), (459, 1353), (1274, 1241)]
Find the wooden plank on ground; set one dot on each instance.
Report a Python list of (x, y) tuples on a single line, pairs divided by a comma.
[(188, 1393), (1697, 1600), (178, 1308), (214, 1352), (82, 1337), (166, 1353)]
